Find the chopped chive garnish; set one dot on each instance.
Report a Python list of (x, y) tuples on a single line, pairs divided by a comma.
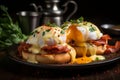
[(48, 30), (97, 58), (62, 32), (43, 33), (92, 29)]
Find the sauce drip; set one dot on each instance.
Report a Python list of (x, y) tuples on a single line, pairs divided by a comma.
[(74, 34)]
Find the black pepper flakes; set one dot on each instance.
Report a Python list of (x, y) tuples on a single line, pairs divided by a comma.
[(58, 35)]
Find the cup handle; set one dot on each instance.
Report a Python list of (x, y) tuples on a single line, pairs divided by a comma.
[(66, 8)]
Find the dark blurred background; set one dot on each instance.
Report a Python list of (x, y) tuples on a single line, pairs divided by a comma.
[(96, 11)]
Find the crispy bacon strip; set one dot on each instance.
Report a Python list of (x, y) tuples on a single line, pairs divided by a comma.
[(55, 49), (113, 48), (106, 37), (102, 41), (49, 49), (23, 47)]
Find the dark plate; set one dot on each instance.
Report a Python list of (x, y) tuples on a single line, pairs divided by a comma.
[(110, 58)]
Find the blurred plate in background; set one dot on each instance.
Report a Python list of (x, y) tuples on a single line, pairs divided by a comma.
[(111, 29)]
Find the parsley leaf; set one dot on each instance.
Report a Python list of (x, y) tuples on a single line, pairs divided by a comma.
[(10, 33)]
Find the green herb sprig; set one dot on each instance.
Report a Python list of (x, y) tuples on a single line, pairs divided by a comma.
[(10, 32)]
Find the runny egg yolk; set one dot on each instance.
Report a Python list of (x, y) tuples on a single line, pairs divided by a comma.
[(74, 34)]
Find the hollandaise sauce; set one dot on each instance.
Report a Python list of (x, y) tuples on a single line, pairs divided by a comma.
[(92, 50), (75, 35)]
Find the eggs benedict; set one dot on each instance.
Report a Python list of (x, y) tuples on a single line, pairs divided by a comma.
[(47, 45), (82, 36)]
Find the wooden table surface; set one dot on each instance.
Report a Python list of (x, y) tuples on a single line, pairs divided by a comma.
[(11, 70)]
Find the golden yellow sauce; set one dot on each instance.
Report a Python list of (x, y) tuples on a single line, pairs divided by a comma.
[(74, 34), (83, 60)]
